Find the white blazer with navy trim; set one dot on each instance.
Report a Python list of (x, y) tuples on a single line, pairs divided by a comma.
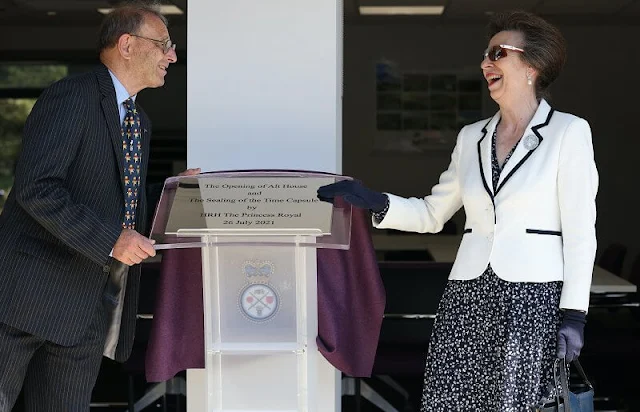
[(538, 226)]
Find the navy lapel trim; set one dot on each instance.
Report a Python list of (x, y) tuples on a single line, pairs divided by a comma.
[(484, 181), (112, 117), (534, 129)]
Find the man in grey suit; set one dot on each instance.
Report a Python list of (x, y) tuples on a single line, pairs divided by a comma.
[(70, 231)]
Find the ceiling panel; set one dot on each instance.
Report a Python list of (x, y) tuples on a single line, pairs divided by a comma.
[(462, 8), (65, 12), (632, 9), (64, 5), (401, 2), (573, 7), (83, 12)]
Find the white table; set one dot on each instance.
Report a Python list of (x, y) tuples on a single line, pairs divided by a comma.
[(606, 282), (443, 248)]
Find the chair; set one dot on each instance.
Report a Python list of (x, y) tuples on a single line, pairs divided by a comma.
[(634, 277), (413, 293), (634, 273), (135, 365), (612, 258)]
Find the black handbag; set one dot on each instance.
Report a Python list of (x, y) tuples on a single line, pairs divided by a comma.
[(579, 401)]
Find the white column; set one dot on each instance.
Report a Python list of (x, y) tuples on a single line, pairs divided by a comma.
[(264, 91), (264, 84)]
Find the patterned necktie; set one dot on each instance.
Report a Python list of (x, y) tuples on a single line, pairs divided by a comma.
[(131, 146)]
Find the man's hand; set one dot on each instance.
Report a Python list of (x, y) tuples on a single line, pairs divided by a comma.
[(190, 172), (132, 248)]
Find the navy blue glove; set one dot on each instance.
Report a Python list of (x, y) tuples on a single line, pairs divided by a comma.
[(355, 193), (571, 334)]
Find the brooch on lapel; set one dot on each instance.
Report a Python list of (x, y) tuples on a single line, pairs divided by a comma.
[(531, 142)]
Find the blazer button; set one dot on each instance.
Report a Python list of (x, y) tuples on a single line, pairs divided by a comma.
[(106, 268)]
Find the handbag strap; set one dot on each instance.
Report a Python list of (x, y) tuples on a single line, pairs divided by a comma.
[(583, 375), (561, 378), (560, 365), (564, 383)]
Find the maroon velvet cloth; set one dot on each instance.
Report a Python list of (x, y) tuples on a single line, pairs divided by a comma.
[(351, 301)]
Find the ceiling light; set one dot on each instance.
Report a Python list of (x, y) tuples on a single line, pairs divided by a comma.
[(164, 9), (51, 13), (402, 10)]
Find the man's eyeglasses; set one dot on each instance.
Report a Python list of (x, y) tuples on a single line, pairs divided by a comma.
[(497, 52), (165, 45)]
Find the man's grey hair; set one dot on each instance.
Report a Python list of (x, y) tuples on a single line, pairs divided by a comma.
[(126, 18)]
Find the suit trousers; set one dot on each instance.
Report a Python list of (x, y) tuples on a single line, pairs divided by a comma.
[(55, 378)]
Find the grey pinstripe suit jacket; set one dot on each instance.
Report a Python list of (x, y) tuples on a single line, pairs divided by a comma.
[(64, 213)]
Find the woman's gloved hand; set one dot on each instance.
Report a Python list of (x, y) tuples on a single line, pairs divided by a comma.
[(571, 334), (355, 193)]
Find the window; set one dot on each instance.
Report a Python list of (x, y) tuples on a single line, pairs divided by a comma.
[(13, 113), (30, 75), (20, 84)]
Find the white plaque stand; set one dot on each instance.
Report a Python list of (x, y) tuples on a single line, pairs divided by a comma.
[(260, 316)]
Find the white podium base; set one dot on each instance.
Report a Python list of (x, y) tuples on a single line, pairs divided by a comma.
[(329, 389)]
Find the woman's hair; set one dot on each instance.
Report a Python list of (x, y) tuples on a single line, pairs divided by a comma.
[(544, 46), (124, 19)]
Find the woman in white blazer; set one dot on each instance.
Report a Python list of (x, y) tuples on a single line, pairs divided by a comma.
[(519, 288)]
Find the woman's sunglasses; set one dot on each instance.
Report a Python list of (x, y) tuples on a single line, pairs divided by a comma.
[(497, 52)]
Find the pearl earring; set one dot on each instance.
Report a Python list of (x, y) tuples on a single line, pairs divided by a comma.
[(529, 82)]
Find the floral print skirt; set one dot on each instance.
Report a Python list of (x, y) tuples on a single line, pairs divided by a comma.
[(493, 346)]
